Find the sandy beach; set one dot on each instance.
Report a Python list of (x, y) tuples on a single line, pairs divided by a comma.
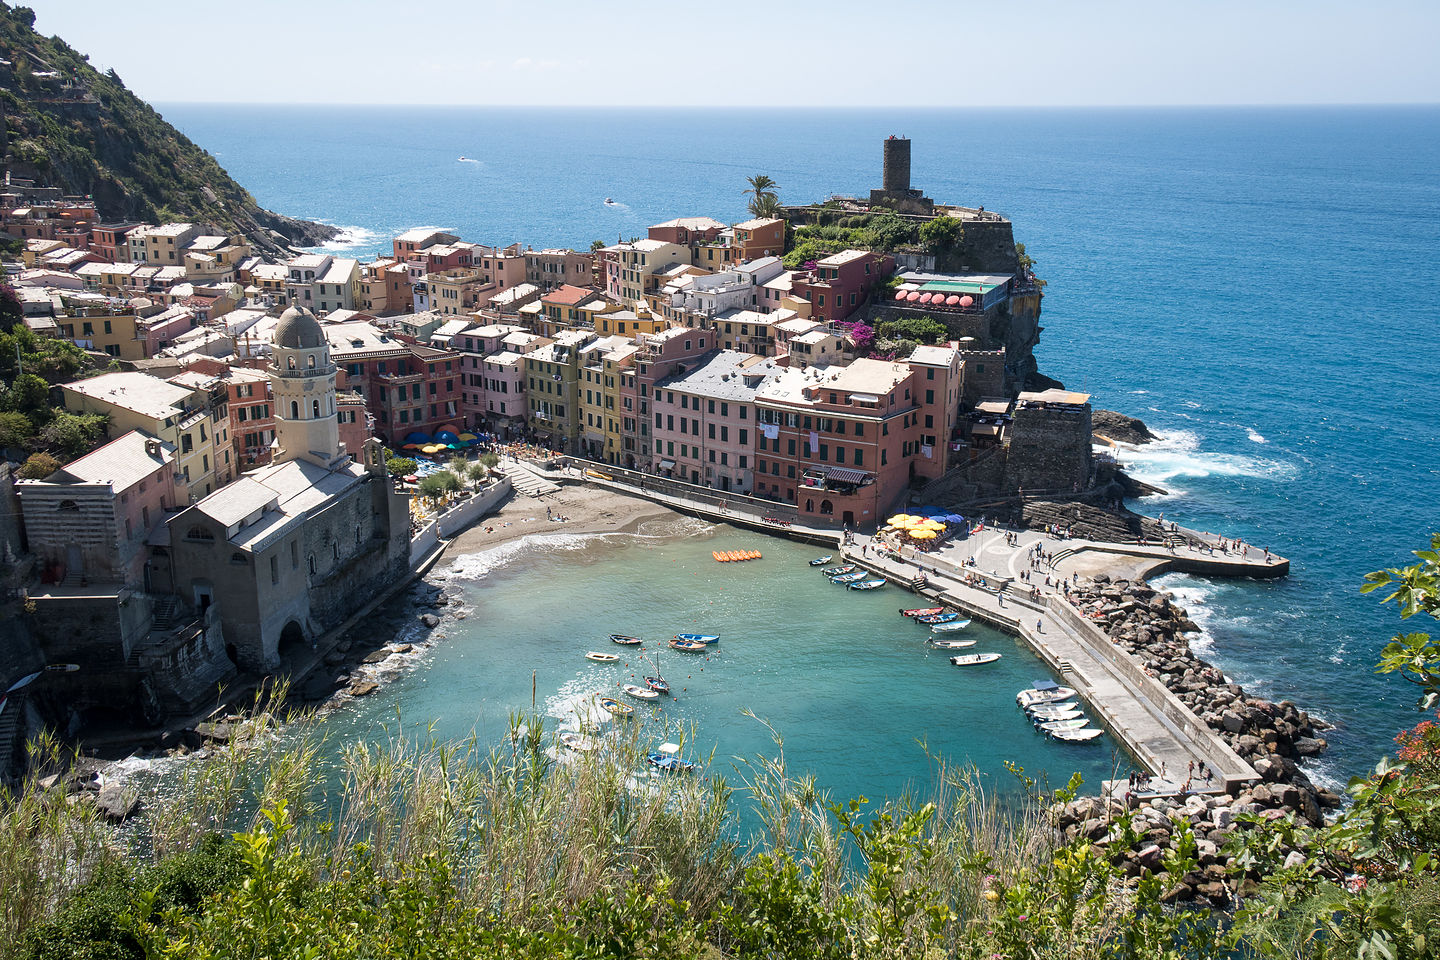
[(586, 509)]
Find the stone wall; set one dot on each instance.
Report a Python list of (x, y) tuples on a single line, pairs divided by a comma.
[(1049, 449), (988, 246)]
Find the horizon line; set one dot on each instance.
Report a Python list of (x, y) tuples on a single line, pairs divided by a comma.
[(1258, 105)]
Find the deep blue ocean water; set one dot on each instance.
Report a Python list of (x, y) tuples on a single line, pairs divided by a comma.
[(1259, 285)]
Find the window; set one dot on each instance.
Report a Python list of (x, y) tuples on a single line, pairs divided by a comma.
[(859, 456), (294, 410), (930, 395), (239, 559), (199, 535)]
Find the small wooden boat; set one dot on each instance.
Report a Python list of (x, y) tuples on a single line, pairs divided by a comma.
[(949, 627), (658, 683), (1071, 723), (667, 759), (855, 577), (875, 584), (974, 659), (688, 646), (821, 561), (1076, 736), (923, 612), (933, 618), (699, 637), (837, 571), (951, 644), (576, 741), (599, 657), (615, 707), (625, 641), (735, 556), (639, 693)]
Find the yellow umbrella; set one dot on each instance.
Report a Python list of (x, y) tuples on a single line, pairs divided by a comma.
[(900, 519), (931, 525), (922, 534)]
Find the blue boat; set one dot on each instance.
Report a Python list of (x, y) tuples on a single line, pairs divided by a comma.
[(669, 763), (698, 637), (821, 561), (836, 571), (848, 578), (866, 584), (933, 618)]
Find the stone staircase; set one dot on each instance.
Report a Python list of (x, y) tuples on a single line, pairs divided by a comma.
[(10, 722), (528, 482)]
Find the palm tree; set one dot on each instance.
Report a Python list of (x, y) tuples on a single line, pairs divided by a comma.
[(763, 199)]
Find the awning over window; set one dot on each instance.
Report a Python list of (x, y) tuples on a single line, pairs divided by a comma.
[(667, 464), (846, 475)]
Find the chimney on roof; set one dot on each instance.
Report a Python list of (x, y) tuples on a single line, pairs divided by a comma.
[(152, 447)]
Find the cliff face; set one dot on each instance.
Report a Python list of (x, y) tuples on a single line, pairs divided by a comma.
[(72, 127)]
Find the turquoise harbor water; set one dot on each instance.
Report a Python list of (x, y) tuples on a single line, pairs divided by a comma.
[(1257, 284), (849, 684)]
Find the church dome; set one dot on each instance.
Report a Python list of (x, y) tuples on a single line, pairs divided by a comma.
[(298, 330)]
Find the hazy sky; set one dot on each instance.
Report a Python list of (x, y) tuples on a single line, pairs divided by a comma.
[(773, 53)]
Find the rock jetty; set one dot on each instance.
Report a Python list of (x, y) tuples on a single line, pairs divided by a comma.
[(1274, 738)]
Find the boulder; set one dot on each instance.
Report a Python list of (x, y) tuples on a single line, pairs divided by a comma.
[(1231, 721), (117, 803), (376, 657), (216, 732), (1310, 746), (364, 688), (430, 620)]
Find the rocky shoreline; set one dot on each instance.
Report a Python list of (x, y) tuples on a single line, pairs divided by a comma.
[(1274, 738)]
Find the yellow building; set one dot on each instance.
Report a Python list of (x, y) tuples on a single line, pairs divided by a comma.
[(618, 364), (627, 323), (110, 331), (598, 394), (193, 418)]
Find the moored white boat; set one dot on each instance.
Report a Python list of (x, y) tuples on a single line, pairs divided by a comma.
[(687, 646), (1057, 717), (949, 627), (1076, 736), (874, 584), (1074, 723), (1044, 691), (821, 561), (952, 644), (577, 741), (974, 659), (1052, 707), (639, 693), (599, 657), (1061, 712), (614, 707), (851, 577), (837, 571)]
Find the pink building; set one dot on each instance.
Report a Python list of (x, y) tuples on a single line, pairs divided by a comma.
[(660, 355), (704, 420), (474, 344), (840, 284), (88, 521), (839, 444)]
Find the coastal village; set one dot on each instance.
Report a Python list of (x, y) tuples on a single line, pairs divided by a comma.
[(269, 423)]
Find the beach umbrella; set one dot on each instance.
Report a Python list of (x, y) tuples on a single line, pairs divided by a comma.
[(922, 534), (411, 446), (952, 300), (967, 301), (924, 298), (468, 436), (900, 294), (898, 520)]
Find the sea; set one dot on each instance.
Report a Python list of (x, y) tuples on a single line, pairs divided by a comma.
[(1257, 284)]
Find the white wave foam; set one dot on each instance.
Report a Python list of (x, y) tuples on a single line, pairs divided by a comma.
[(1139, 392), (475, 566), (1194, 595), (1178, 454), (1254, 436), (349, 238)]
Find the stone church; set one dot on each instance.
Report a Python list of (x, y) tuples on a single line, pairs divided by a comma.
[(288, 551)]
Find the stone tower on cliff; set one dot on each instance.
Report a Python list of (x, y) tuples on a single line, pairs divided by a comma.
[(302, 379), (896, 193)]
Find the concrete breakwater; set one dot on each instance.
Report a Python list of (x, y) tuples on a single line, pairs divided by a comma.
[(1273, 738)]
